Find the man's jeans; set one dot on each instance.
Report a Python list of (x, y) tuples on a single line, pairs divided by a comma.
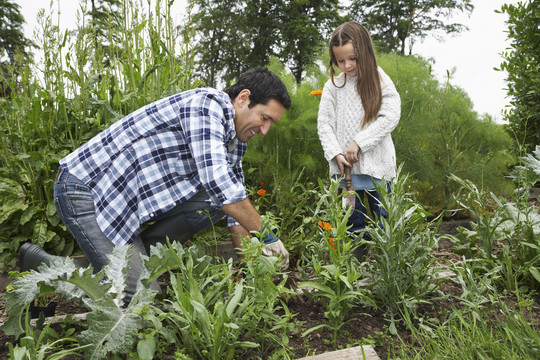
[(75, 206)]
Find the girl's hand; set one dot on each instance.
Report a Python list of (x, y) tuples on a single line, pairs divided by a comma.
[(341, 162), (352, 152)]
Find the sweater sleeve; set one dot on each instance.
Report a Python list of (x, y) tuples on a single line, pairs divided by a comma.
[(387, 117), (326, 122)]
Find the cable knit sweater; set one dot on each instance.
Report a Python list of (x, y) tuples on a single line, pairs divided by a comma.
[(340, 121)]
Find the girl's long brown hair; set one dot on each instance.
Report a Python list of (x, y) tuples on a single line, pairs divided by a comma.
[(368, 84)]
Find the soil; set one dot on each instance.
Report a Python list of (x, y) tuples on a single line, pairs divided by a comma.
[(365, 324)]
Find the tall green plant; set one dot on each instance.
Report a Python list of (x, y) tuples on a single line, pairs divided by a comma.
[(402, 276), (336, 274), (289, 203), (77, 90)]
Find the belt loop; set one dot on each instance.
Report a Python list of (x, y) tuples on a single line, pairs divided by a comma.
[(59, 172)]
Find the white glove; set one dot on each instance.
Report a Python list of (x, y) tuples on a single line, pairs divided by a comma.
[(277, 249)]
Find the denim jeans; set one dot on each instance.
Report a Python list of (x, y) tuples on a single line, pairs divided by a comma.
[(75, 206), (357, 218)]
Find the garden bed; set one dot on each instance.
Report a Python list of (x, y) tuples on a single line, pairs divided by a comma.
[(367, 326)]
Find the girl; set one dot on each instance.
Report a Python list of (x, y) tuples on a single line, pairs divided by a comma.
[(359, 108)]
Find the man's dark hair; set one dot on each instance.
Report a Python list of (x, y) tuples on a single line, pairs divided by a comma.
[(264, 85)]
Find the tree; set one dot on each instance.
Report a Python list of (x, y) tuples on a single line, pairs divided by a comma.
[(305, 25), (221, 38), (521, 63), (12, 37), (12, 42), (393, 22), (233, 36)]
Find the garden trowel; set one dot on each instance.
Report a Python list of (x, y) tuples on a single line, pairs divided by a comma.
[(349, 193)]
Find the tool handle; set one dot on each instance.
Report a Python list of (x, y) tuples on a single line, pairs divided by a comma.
[(348, 178)]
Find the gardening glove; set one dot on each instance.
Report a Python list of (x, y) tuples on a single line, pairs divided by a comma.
[(274, 247), (278, 249)]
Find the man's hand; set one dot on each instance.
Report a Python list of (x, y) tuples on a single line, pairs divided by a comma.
[(250, 221), (278, 249)]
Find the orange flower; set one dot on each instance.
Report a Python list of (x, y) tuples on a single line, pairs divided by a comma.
[(261, 192), (262, 184), (331, 241), (325, 225), (316, 92)]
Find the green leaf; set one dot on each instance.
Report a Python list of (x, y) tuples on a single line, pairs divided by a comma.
[(10, 186), (233, 302), (320, 326), (28, 214), (110, 330), (324, 289), (534, 272), (146, 348), (10, 207)]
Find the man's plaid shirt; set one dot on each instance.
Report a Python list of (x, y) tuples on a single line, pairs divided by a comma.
[(160, 156)]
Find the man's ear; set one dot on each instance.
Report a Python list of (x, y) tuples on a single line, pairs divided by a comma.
[(243, 97)]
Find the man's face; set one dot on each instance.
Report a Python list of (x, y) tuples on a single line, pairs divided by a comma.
[(257, 120)]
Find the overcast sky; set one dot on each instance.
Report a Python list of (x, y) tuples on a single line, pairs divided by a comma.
[(473, 54)]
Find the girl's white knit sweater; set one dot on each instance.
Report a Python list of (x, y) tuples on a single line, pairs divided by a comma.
[(340, 121)]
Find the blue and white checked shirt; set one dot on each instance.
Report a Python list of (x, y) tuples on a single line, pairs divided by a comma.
[(160, 156)]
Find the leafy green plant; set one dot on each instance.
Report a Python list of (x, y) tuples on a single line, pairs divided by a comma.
[(525, 175), (520, 59), (212, 306), (112, 326), (473, 332), (288, 202), (402, 275), (267, 290), (486, 228), (505, 234), (43, 344), (335, 283)]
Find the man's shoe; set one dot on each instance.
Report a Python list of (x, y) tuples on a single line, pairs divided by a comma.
[(31, 256)]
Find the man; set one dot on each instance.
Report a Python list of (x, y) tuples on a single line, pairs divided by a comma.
[(172, 167)]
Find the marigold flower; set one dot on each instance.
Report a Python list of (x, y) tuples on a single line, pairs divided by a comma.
[(331, 241), (262, 184), (316, 92), (325, 225), (261, 191)]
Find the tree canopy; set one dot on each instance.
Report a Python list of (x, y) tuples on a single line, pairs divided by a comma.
[(233, 36), (11, 30), (393, 22)]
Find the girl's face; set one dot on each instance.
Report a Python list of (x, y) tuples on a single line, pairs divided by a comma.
[(346, 59)]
